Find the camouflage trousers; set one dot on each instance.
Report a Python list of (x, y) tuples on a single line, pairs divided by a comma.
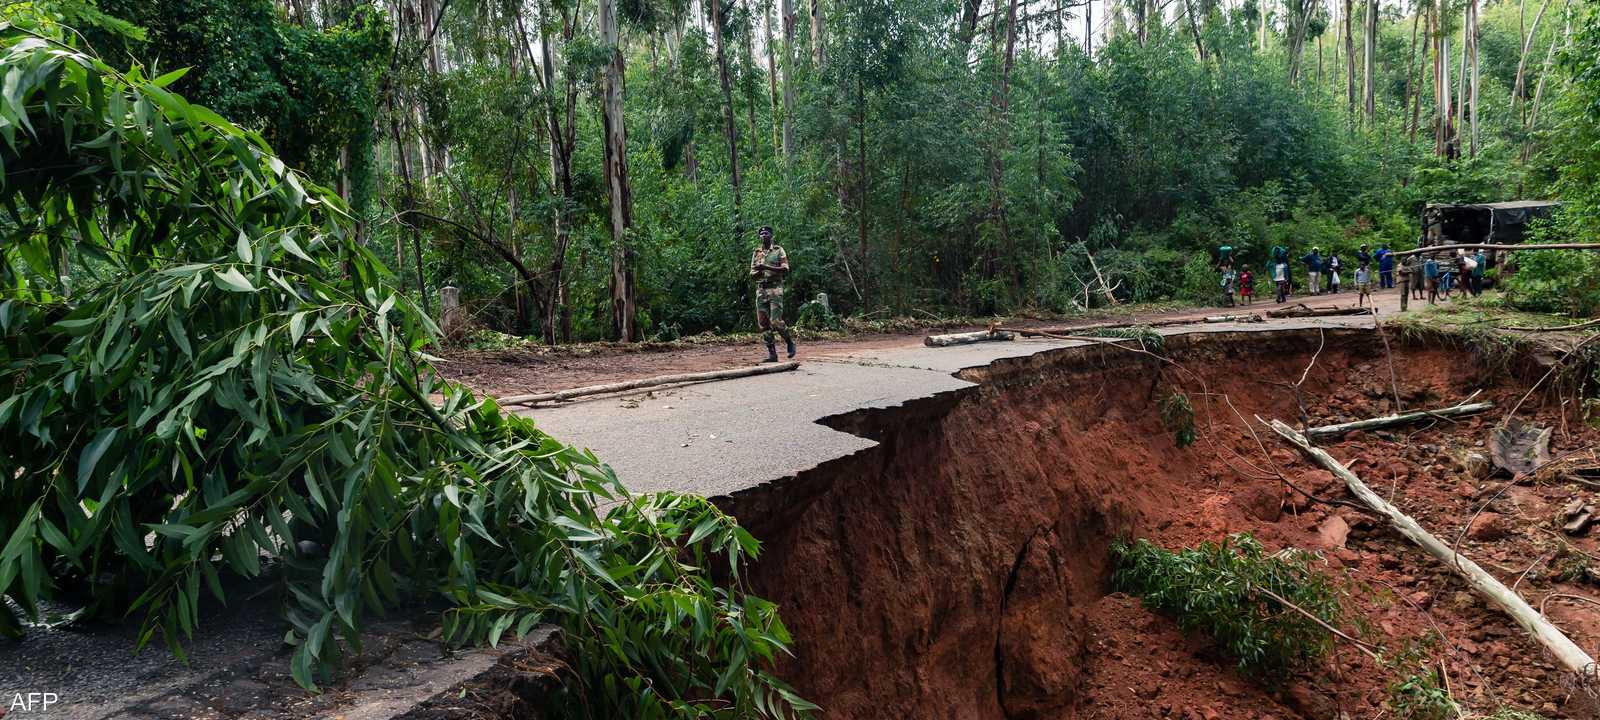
[(769, 313)]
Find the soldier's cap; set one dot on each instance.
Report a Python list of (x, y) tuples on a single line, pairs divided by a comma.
[(764, 230)]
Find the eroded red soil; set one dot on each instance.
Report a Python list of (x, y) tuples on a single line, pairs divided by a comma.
[(959, 570)]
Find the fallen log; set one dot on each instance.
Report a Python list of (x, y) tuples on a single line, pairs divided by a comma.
[(1301, 311), (1046, 332), (1552, 328), (1568, 653), (1051, 332), (1335, 430), (1505, 248), (648, 382), (966, 338)]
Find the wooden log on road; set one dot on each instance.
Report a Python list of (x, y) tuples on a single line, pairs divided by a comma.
[(1561, 647), (1080, 329), (1331, 431), (966, 338), (1502, 248), (1301, 311), (648, 382)]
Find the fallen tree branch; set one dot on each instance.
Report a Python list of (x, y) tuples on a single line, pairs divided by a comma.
[(1568, 653), (1329, 431), (966, 338), (1048, 332), (1507, 248), (1083, 338), (648, 382), (1552, 328), (1360, 645), (1301, 311)]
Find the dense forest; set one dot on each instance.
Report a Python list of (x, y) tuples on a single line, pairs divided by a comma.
[(591, 170)]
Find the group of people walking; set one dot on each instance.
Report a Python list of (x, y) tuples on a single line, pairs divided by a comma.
[(1323, 272), (1461, 273)]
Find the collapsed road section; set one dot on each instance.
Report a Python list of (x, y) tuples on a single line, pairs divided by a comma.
[(961, 567)]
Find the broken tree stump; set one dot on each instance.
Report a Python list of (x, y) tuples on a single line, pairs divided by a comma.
[(967, 338), (1331, 431), (1561, 647), (1519, 448), (648, 382)]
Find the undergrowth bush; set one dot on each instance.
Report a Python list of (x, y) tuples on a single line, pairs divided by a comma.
[(234, 375), (1217, 589), (1178, 417), (1147, 336), (1560, 281)]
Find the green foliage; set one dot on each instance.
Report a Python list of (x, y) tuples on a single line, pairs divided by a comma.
[(1178, 417), (813, 315), (1508, 713), (1421, 697), (1217, 588), (230, 374), (1415, 690), (310, 92), (1147, 336), (1556, 281)]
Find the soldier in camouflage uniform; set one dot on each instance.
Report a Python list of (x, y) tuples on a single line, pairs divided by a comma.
[(768, 265)]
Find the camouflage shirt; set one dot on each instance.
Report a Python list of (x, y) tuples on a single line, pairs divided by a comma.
[(763, 262)]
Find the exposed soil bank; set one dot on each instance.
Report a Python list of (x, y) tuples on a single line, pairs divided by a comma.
[(959, 570)]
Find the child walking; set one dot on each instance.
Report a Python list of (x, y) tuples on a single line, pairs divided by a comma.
[(1247, 286), (1363, 285)]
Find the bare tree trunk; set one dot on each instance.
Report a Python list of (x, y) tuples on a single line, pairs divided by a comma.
[(970, 10), (1350, 56), (1443, 105), (1538, 91), (817, 54), (1518, 88), (1461, 92), (772, 73), (788, 79), (748, 87), (1472, 97), (624, 298), (1370, 61), (1194, 28), (1088, 28), (730, 126), (1300, 22), (1412, 81)]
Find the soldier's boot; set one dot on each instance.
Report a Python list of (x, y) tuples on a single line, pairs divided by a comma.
[(788, 339), (772, 352)]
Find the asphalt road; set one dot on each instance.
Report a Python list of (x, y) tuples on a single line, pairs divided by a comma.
[(718, 438)]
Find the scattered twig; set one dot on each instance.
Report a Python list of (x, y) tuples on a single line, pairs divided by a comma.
[(1394, 382), (1574, 658), (1553, 368), (1551, 328), (1360, 645)]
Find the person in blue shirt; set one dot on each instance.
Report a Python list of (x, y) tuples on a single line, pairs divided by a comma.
[(1385, 258), (1430, 275), (1477, 273), (1313, 262)]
